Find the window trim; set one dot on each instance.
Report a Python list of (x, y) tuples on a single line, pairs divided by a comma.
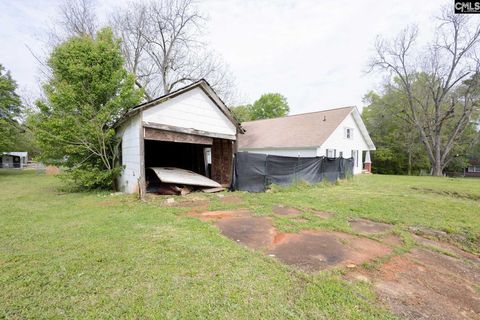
[(348, 133)]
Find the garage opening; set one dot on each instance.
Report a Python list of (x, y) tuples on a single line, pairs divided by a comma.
[(188, 156), (207, 156)]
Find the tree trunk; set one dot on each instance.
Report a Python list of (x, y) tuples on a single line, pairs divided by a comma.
[(437, 160), (409, 163), (437, 168)]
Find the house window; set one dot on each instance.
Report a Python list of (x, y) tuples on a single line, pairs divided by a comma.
[(330, 153), (348, 133), (473, 169)]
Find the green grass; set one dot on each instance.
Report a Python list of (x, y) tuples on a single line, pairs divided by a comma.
[(96, 255), (443, 204)]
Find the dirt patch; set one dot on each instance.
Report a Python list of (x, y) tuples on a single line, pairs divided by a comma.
[(323, 214), (446, 247), (231, 200), (52, 170), (427, 285), (219, 215), (194, 205), (253, 232), (307, 250), (285, 211), (314, 251), (367, 226), (392, 240)]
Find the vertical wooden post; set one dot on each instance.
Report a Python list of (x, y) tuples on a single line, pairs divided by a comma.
[(222, 158)]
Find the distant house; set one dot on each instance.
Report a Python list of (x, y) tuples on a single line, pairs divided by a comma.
[(473, 169), (13, 160), (331, 133), (190, 128)]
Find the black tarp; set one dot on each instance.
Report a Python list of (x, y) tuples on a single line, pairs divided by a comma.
[(255, 172)]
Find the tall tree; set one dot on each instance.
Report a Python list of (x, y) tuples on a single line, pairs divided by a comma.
[(78, 17), (88, 92), (269, 105), (399, 148), (442, 107), (242, 113), (162, 47), (10, 112)]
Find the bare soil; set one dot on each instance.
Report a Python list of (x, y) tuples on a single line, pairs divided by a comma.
[(421, 284), (424, 284), (367, 226), (308, 250), (231, 199), (318, 250), (285, 211), (253, 232)]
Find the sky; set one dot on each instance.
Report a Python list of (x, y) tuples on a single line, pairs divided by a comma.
[(314, 52)]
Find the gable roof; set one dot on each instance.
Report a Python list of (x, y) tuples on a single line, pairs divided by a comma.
[(301, 130), (203, 85)]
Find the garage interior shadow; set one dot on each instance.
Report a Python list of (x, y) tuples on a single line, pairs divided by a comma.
[(189, 156)]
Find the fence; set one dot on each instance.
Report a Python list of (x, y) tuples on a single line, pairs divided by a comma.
[(255, 172)]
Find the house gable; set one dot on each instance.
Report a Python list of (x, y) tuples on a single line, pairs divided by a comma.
[(339, 142), (193, 109)]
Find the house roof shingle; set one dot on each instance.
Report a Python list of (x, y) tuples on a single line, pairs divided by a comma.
[(301, 130)]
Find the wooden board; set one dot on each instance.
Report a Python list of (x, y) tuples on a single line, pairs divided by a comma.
[(170, 136)]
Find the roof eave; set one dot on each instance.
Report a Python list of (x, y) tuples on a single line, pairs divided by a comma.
[(363, 129)]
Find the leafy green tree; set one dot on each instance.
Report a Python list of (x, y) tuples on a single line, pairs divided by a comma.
[(10, 112), (399, 148), (270, 105), (243, 113), (88, 92)]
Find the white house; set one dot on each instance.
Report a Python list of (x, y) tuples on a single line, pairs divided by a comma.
[(13, 160), (190, 128), (332, 133)]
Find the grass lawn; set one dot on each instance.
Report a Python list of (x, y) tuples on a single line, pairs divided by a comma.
[(95, 255)]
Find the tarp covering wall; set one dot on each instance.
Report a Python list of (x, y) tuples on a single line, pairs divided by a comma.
[(255, 172)]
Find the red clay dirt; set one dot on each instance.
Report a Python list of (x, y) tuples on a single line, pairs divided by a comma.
[(285, 211), (218, 215), (421, 284), (253, 232), (231, 199), (307, 250), (367, 226), (319, 250), (424, 284)]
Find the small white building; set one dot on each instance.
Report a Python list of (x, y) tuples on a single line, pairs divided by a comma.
[(190, 128), (331, 133), (13, 160)]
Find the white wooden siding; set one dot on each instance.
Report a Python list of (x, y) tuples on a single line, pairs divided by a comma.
[(340, 143), (130, 135), (194, 110)]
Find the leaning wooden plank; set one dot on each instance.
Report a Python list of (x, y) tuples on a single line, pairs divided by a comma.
[(183, 177), (212, 190)]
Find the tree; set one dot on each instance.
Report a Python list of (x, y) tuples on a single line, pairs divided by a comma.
[(10, 112), (89, 91), (399, 148), (78, 17), (270, 105), (162, 48), (242, 113), (441, 108)]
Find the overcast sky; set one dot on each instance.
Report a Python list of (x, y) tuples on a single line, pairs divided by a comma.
[(314, 52)]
